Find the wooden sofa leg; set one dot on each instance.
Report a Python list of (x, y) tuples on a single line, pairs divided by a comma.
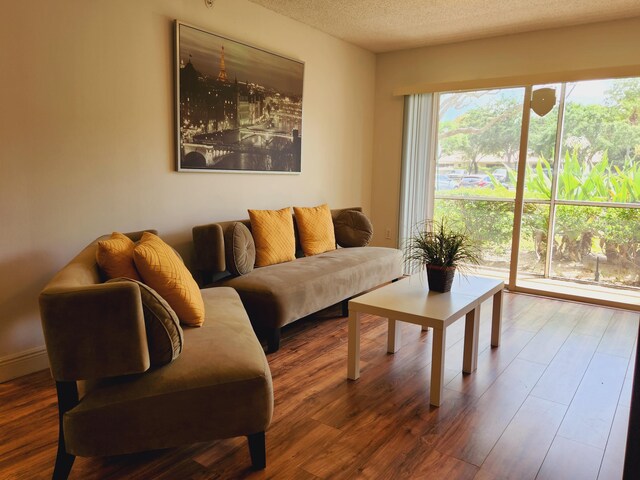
[(64, 462), (67, 399), (257, 450), (273, 340)]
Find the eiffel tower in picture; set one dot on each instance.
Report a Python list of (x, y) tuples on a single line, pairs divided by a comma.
[(222, 75)]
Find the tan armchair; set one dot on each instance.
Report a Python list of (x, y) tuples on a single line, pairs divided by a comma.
[(111, 402)]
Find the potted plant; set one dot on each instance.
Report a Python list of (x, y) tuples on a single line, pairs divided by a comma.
[(441, 249)]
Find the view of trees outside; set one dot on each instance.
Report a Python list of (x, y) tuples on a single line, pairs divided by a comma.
[(599, 163)]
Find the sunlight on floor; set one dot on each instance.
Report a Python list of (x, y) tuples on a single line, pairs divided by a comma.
[(613, 297)]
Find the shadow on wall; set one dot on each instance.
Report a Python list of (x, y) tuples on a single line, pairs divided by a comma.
[(21, 281)]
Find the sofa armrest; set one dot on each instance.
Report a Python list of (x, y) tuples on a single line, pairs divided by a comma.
[(208, 244), (94, 331)]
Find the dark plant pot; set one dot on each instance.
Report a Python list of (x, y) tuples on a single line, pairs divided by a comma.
[(440, 278)]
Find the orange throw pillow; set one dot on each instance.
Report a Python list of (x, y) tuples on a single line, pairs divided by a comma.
[(315, 227), (273, 235), (115, 257), (162, 269)]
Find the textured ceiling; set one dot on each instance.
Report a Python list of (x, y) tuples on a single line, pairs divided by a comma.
[(386, 25)]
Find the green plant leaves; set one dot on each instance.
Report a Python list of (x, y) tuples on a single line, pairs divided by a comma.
[(437, 243)]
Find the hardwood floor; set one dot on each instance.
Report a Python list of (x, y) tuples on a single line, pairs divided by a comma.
[(552, 402)]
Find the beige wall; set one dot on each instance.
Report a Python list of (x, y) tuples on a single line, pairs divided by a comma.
[(87, 134), (568, 53), (87, 142)]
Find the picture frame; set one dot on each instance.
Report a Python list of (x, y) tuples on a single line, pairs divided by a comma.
[(238, 107)]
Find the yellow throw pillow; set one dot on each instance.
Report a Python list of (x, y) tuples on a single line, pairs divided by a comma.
[(161, 269), (115, 257), (273, 235), (315, 227)]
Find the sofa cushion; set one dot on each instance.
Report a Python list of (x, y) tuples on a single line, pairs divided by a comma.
[(164, 335), (279, 294), (315, 227), (196, 395), (240, 249), (114, 256), (274, 236), (353, 229), (163, 271)]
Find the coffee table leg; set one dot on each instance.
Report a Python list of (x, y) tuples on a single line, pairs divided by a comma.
[(471, 333), (353, 357), (437, 365), (496, 323), (394, 336)]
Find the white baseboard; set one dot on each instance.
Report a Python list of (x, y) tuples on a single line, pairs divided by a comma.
[(23, 363)]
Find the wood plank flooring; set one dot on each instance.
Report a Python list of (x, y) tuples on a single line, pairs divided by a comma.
[(552, 402)]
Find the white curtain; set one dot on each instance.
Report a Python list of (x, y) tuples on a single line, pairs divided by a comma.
[(415, 198)]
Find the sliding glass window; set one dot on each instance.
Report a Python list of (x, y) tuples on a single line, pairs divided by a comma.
[(477, 155), (581, 189)]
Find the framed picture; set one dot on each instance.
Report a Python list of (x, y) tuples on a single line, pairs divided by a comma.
[(238, 107)]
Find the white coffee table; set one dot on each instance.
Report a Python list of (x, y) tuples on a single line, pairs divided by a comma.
[(409, 300)]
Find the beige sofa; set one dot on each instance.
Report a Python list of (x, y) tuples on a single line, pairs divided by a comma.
[(111, 402), (277, 295)]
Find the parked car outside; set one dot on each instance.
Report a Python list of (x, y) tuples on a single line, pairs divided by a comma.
[(443, 182), (500, 174), (476, 181), (452, 172)]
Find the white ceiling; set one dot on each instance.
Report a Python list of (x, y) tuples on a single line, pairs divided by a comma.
[(386, 25)]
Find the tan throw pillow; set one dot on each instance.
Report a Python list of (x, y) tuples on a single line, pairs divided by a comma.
[(162, 270), (239, 248), (273, 235), (353, 229), (164, 335), (115, 257), (315, 227)]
